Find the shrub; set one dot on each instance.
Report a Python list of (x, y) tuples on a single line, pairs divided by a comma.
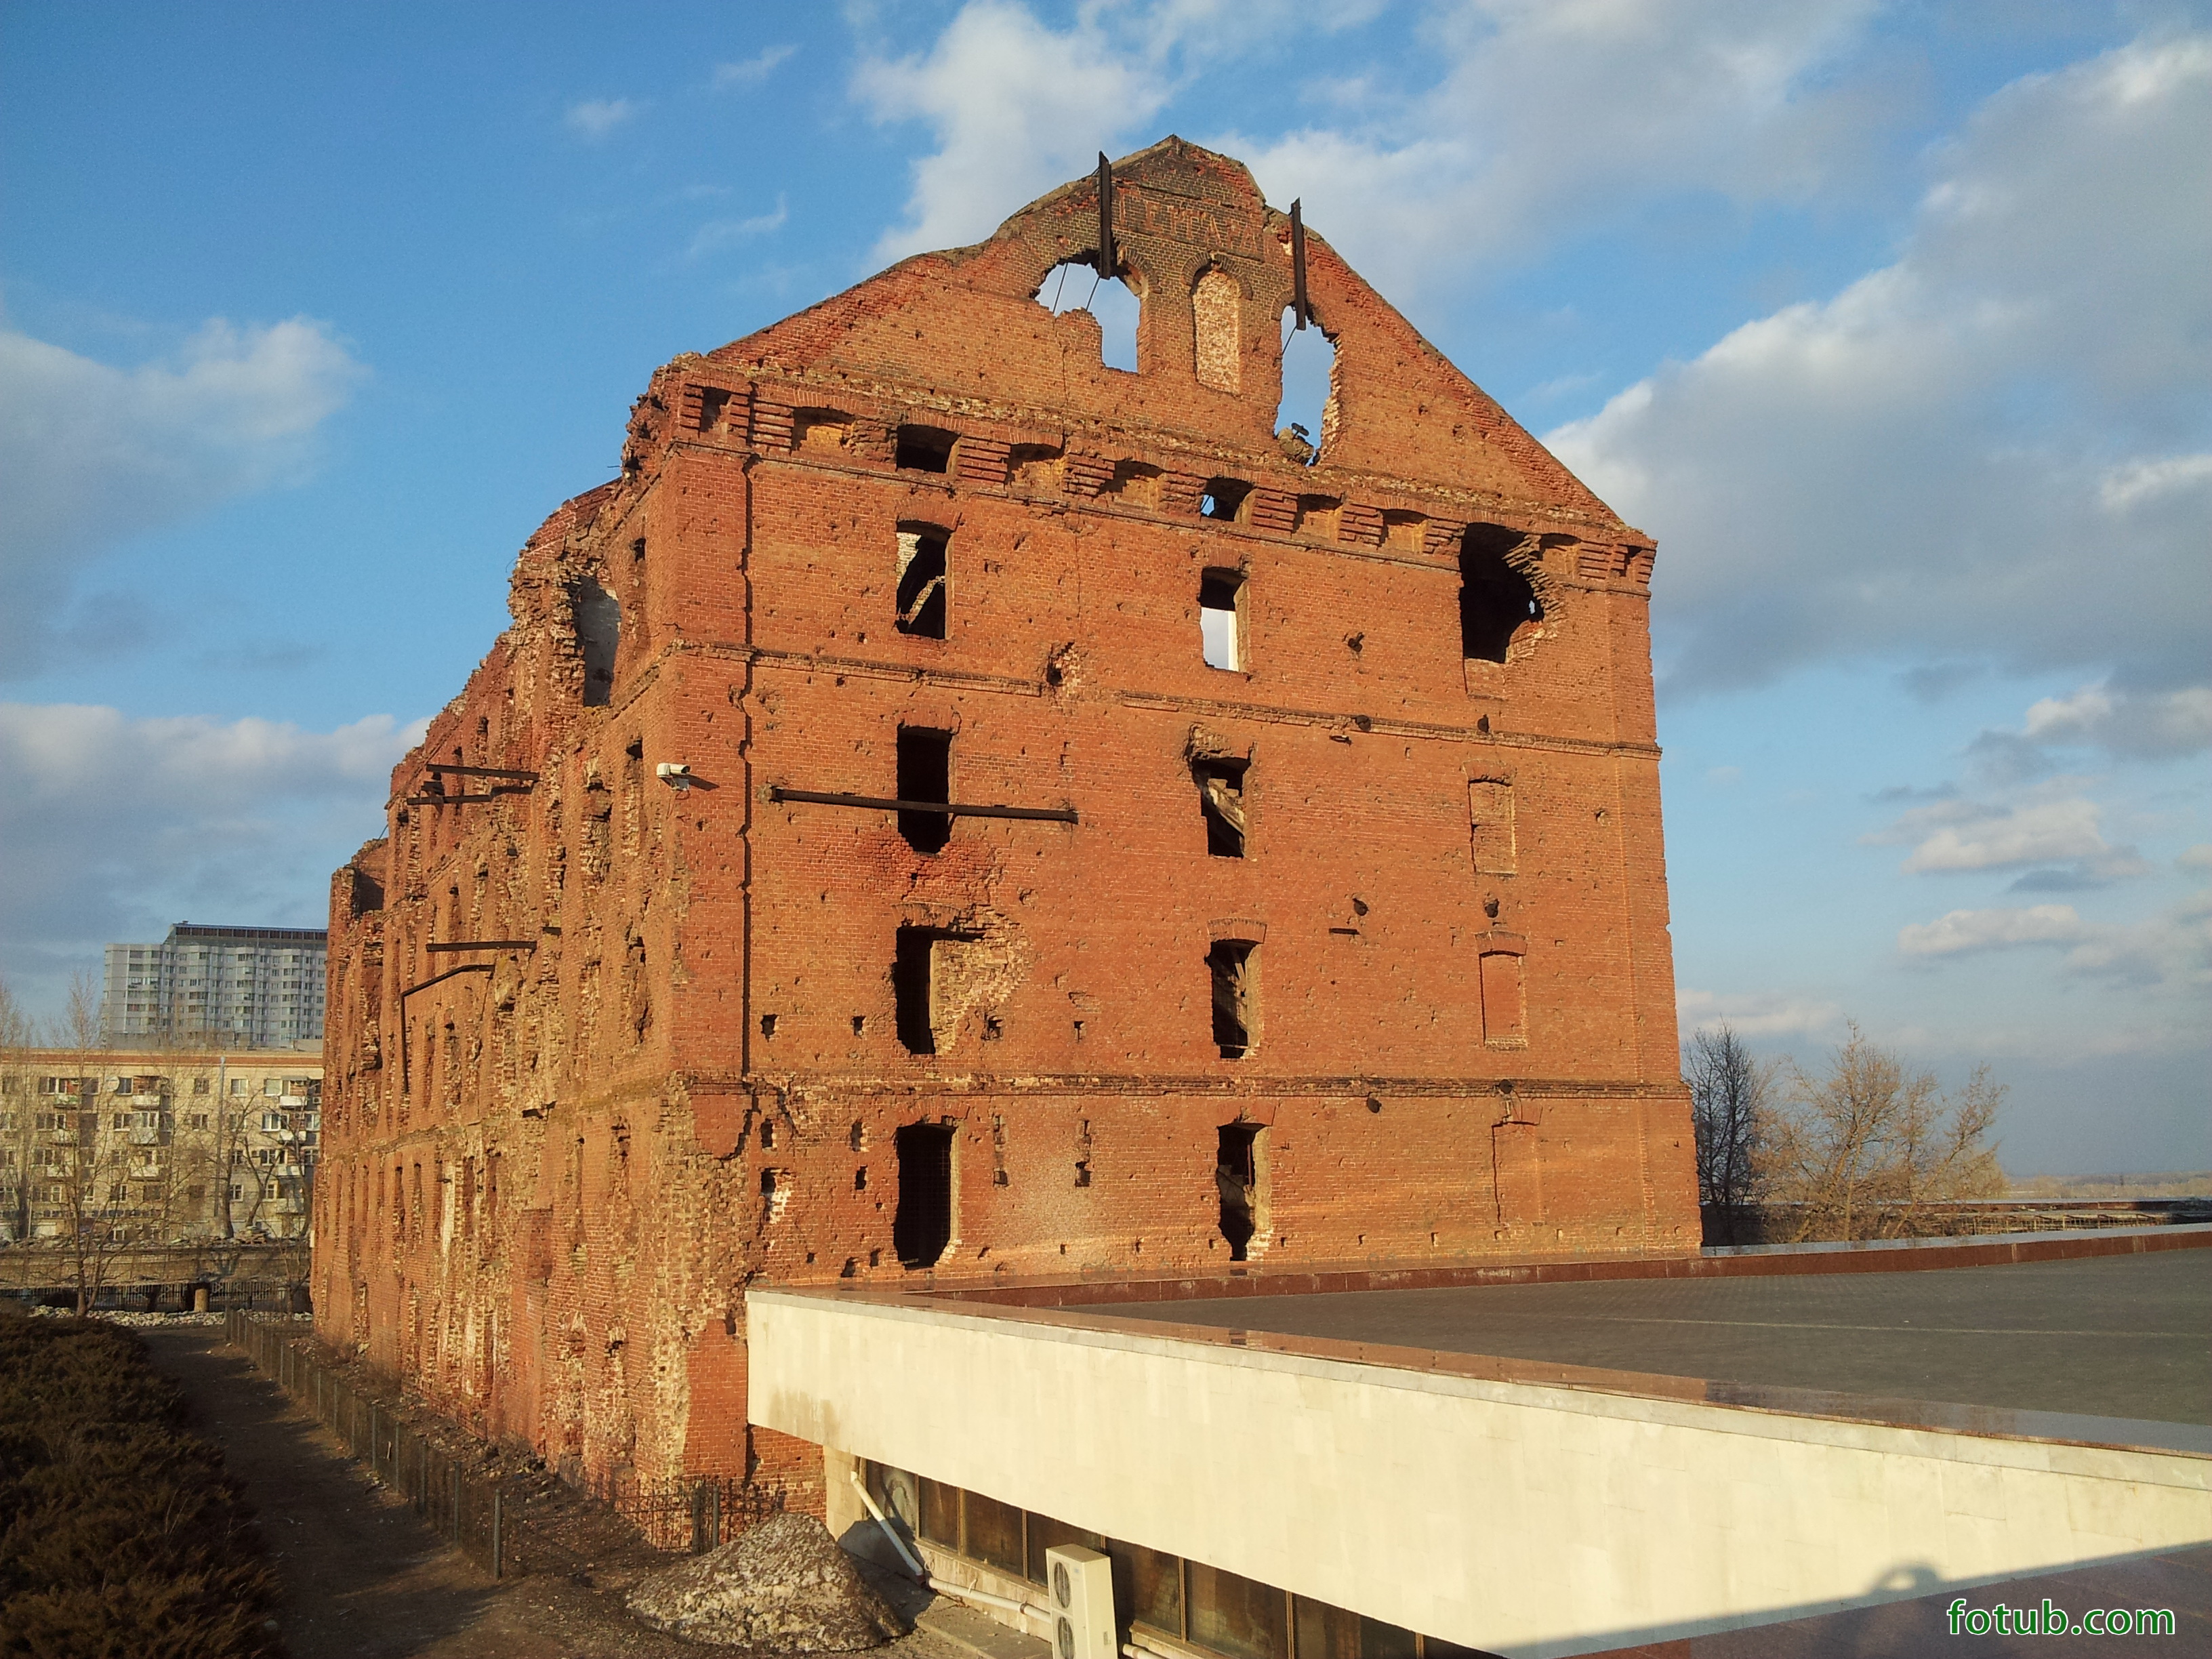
[(119, 1533)]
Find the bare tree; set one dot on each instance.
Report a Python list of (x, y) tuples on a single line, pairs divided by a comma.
[(80, 1025), (1728, 1109), (1860, 1149), (17, 1102)]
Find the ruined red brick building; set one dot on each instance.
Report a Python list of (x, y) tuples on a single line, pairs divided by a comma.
[(1314, 910)]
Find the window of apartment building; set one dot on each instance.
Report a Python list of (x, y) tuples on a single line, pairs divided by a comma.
[(922, 1225), (925, 576), (1221, 781), (925, 773), (1220, 618), (1235, 978)]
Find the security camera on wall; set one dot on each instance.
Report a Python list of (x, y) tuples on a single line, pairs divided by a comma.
[(675, 773)]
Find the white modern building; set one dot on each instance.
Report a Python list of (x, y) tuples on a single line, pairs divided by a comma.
[(232, 987)]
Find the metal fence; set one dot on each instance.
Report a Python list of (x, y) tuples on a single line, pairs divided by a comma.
[(476, 1511)]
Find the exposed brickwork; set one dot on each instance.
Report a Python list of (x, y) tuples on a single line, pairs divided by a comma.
[(550, 1174)]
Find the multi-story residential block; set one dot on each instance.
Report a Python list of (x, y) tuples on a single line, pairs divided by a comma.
[(236, 987), (157, 1147)]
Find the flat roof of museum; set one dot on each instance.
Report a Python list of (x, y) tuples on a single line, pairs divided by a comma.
[(2109, 1336)]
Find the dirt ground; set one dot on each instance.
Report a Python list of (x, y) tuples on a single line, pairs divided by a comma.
[(364, 1577)]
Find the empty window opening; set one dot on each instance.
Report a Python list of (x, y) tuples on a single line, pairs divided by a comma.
[(1236, 1174), (922, 574), (923, 1224), (1113, 308), (598, 632), (1497, 605), (1220, 609), (920, 961), (925, 772), (925, 448), (1306, 419), (1222, 498), (1217, 307), (1221, 800), (1229, 962), (1490, 812)]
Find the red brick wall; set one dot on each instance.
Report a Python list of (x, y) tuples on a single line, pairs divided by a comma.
[(613, 1060)]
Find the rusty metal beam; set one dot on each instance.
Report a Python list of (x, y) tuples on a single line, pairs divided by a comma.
[(437, 979), (480, 772), (943, 809), (485, 944), (1299, 263)]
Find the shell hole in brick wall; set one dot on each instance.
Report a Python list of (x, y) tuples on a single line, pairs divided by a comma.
[(923, 1224), (1075, 286), (1306, 419), (1497, 604)]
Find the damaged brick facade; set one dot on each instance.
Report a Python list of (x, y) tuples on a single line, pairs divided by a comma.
[(1352, 951)]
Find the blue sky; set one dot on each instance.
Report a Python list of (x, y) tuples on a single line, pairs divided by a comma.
[(1890, 322)]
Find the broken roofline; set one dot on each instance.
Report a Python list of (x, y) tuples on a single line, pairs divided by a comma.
[(1182, 209)]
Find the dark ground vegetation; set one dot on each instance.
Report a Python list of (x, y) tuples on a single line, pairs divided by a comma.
[(121, 1537)]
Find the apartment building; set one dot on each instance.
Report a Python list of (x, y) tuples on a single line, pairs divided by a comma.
[(236, 987)]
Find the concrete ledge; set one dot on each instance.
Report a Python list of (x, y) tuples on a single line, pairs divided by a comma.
[(1872, 1256), (1514, 1508)]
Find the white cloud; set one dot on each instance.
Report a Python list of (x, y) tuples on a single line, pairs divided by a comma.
[(1959, 836), (2125, 488), (753, 70), (1017, 108), (91, 453), (2135, 723), (720, 233), (115, 827), (2174, 948), (1960, 931), (1925, 465), (2198, 857), (1755, 1013), (595, 117), (1477, 166)]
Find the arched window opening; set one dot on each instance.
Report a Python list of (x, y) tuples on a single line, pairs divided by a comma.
[(1306, 419), (1236, 1175), (1074, 285), (924, 571), (1216, 308), (1497, 605), (1236, 1002), (923, 1224), (599, 634)]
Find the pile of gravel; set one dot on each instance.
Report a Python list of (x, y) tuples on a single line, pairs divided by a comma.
[(782, 1587)]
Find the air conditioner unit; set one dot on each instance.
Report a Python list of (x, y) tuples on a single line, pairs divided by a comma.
[(1080, 1583)]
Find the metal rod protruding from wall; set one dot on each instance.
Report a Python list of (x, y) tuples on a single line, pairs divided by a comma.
[(1108, 260), (1298, 265)]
